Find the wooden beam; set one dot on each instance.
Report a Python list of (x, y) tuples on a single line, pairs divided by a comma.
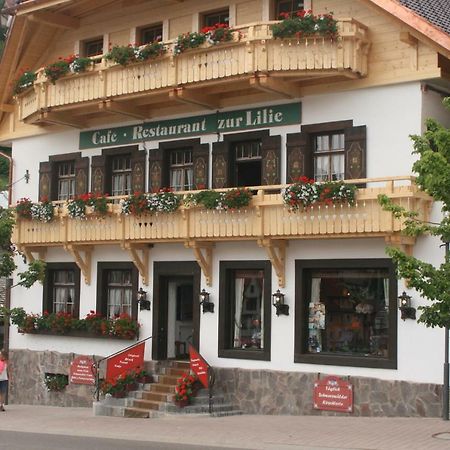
[(124, 109), (192, 97), (408, 38), (55, 20), (25, 8), (28, 252), (59, 118), (4, 107), (83, 263), (203, 254), (404, 243), (271, 85), (276, 251), (141, 261)]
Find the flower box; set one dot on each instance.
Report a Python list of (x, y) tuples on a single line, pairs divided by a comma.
[(74, 333)]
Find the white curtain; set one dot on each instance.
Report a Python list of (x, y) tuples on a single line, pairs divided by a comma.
[(189, 179), (239, 295), (262, 313)]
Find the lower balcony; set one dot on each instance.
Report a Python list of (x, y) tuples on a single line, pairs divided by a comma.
[(266, 221)]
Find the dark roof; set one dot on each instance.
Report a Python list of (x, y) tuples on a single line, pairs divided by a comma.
[(436, 12)]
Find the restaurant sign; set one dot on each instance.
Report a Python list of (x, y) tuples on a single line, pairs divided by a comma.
[(220, 122), (82, 371), (333, 394)]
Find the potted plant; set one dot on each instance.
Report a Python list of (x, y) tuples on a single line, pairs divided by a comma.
[(26, 79), (184, 390), (144, 377), (55, 382), (23, 208)]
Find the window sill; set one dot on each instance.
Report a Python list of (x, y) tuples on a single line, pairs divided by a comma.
[(77, 333), (259, 355), (350, 361)]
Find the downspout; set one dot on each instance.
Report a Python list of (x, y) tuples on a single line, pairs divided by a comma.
[(10, 176)]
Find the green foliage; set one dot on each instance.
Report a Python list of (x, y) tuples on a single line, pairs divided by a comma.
[(35, 272), (232, 199), (56, 382), (26, 79), (433, 177), (122, 55)]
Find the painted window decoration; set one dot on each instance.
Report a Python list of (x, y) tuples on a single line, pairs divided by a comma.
[(329, 157), (348, 312), (66, 180), (63, 291), (248, 305), (290, 7), (181, 170), (121, 175), (119, 293), (211, 19), (248, 162)]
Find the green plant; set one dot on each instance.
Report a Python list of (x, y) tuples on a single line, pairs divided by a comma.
[(23, 208), (135, 204), (26, 79), (151, 51), (44, 211), (55, 382), (58, 69), (305, 24), (220, 32), (80, 65), (123, 55), (188, 40), (233, 199), (124, 326), (184, 390)]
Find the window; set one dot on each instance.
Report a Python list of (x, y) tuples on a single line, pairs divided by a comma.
[(211, 19), (66, 180), (248, 162), (245, 309), (151, 34), (116, 289), (288, 6), (329, 156), (181, 170), (121, 175), (347, 312), (93, 47), (62, 288)]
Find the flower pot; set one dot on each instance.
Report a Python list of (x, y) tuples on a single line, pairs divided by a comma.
[(131, 387), (181, 403), (119, 394), (145, 379)]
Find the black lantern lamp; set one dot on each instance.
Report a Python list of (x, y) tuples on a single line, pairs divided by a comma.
[(278, 302), (404, 305), (207, 306), (143, 303)]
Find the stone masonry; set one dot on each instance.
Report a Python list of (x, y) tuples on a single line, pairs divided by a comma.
[(291, 393)]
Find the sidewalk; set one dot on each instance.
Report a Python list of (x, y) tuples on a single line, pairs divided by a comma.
[(250, 432)]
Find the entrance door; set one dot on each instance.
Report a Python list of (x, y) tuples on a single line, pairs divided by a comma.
[(176, 309)]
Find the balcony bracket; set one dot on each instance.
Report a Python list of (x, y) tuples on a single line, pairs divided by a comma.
[(124, 109), (28, 252), (83, 263), (404, 243), (140, 255), (190, 97), (203, 254), (276, 251), (265, 83), (60, 118)]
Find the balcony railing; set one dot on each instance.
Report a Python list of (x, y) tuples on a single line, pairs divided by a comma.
[(253, 51)]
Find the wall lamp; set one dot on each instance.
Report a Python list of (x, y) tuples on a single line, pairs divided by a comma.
[(143, 303), (204, 301), (404, 305), (278, 302)]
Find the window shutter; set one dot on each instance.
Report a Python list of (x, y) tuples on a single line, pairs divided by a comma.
[(81, 175), (200, 160), (138, 171), (156, 170), (271, 160), (355, 152), (98, 174), (45, 181), (299, 157), (220, 168)]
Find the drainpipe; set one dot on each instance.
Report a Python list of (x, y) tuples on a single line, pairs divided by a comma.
[(445, 391), (10, 176)]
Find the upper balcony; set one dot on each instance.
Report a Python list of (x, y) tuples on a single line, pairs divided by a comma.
[(266, 221), (211, 77)]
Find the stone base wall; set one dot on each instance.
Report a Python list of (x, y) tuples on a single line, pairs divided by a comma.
[(291, 393), (27, 386)]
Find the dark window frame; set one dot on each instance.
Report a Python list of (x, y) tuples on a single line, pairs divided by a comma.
[(55, 161), (225, 280), (301, 314), (103, 268), (329, 153), (93, 42), (206, 17), (147, 29), (47, 301), (292, 10)]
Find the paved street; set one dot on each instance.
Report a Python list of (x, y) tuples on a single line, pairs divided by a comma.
[(202, 433)]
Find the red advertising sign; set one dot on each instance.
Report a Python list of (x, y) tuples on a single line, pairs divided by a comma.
[(199, 366), (130, 360), (82, 371), (333, 394)]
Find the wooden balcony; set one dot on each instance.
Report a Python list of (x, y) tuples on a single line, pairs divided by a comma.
[(266, 221), (209, 77)]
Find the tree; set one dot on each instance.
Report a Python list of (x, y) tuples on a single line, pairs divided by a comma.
[(3, 30), (433, 177)]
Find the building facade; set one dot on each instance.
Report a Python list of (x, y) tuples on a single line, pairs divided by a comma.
[(255, 111)]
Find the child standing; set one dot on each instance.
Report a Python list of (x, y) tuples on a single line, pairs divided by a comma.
[(3, 379)]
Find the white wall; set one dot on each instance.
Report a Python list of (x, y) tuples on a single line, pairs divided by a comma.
[(391, 114)]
